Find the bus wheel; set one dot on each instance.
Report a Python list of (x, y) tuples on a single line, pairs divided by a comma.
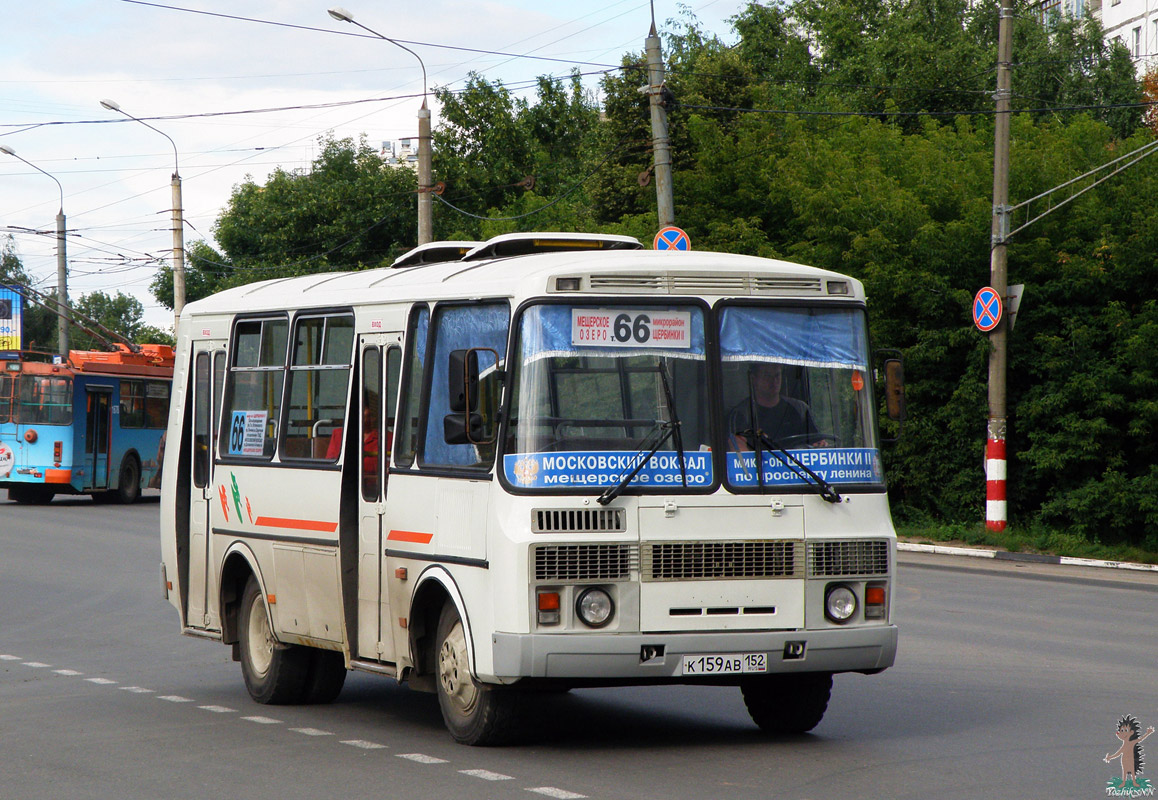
[(786, 704), (30, 495), (274, 673), (129, 484), (474, 713), (326, 676)]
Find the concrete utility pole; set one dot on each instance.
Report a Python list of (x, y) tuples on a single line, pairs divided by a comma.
[(661, 145), (425, 168), (996, 513), (61, 258), (178, 220)]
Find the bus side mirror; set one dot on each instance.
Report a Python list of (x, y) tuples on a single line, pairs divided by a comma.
[(895, 389), (462, 376), (463, 428)]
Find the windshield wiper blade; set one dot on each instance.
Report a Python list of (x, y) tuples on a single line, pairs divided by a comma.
[(827, 490), (667, 428)]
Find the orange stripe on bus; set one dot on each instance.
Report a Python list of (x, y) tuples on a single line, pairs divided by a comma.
[(410, 536), (297, 524), (58, 476)]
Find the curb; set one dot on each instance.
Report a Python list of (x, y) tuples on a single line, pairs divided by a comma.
[(1002, 555)]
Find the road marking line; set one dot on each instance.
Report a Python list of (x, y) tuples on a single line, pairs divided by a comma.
[(311, 732), (561, 794), (175, 698), (218, 709), (364, 745), (422, 759), (36, 664), (9, 658), (136, 689), (263, 720), (486, 775), (69, 672), (100, 681)]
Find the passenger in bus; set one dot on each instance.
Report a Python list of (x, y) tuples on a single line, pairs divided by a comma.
[(785, 421), (370, 440)]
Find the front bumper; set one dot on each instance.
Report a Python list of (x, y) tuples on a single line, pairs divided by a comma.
[(622, 657)]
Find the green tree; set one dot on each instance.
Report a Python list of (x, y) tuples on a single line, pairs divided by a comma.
[(120, 313), (206, 271)]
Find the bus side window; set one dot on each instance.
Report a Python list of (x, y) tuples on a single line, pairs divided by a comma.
[(459, 327), (319, 384), (201, 420), (406, 445)]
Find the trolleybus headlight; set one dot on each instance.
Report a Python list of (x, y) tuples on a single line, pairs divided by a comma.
[(839, 603), (595, 607)]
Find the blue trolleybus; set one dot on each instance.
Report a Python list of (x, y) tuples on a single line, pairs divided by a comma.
[(92, 425)]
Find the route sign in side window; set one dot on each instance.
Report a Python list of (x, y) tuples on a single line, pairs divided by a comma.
[(254, 388)]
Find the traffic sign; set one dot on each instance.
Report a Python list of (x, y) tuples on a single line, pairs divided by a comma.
[(986, 309), (672, 238)]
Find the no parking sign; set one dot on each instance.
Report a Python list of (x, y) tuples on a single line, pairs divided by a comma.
[(672, 238), (986, 309)]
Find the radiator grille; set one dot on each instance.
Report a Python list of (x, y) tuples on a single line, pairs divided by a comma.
[(701, 561), (585, 562), (844, 559), (582, 520)]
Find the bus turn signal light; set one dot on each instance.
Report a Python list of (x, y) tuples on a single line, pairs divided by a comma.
[(874, 602), (549, 605)]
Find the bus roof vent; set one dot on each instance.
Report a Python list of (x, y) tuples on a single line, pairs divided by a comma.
[(522, 244), (787, 284), (434, 253)]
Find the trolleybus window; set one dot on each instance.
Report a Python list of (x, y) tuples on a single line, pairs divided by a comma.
[(253, 394), (144, 404), (593, 387), (802, 374), (6, 383), (44, 400)]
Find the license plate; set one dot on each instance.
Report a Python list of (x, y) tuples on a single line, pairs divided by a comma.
[(726, 664)]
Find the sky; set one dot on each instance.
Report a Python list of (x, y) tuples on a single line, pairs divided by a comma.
[(188, 66)]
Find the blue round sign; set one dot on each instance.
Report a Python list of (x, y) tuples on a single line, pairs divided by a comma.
[(672, 238), (986, 309)]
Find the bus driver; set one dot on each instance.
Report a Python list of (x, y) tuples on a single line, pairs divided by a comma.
[(785, 421)]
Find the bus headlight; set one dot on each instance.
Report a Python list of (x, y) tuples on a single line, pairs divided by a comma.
[(839, 603), (595, 607)]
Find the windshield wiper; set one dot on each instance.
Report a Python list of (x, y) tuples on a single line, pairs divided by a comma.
[(665, 430), (827, 491)]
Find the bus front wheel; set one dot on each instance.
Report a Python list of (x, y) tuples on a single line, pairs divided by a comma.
[(474, 713), (274, 673), (789, 703)]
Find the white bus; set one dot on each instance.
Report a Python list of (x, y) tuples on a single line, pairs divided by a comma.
[(534, 468)]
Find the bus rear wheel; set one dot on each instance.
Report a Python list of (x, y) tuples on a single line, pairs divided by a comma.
[(129, 484), (474, 713), (30, 495), (787, 704), (274, 673)]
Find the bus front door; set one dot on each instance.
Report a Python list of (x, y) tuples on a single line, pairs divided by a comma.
[(98, 407), (381, 360), (208, 378)]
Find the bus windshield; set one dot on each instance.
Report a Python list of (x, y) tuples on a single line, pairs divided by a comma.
[(801, 373), (595, 387), (44, 400)]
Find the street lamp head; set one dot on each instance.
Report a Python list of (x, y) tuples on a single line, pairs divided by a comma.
[(6, 150), (111, 105), (341, 14)]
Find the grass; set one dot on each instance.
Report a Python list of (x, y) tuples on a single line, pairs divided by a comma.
[(1032, 539)]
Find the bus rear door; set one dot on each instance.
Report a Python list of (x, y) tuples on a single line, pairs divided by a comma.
[(98, 405)]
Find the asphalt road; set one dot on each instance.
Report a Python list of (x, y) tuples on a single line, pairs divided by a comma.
[(1009, 682)]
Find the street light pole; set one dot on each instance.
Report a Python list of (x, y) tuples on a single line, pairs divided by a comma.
[(61, 260), (178, 220), (425, 169)]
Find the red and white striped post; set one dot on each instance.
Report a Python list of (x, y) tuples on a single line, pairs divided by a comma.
[(995, 509)]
